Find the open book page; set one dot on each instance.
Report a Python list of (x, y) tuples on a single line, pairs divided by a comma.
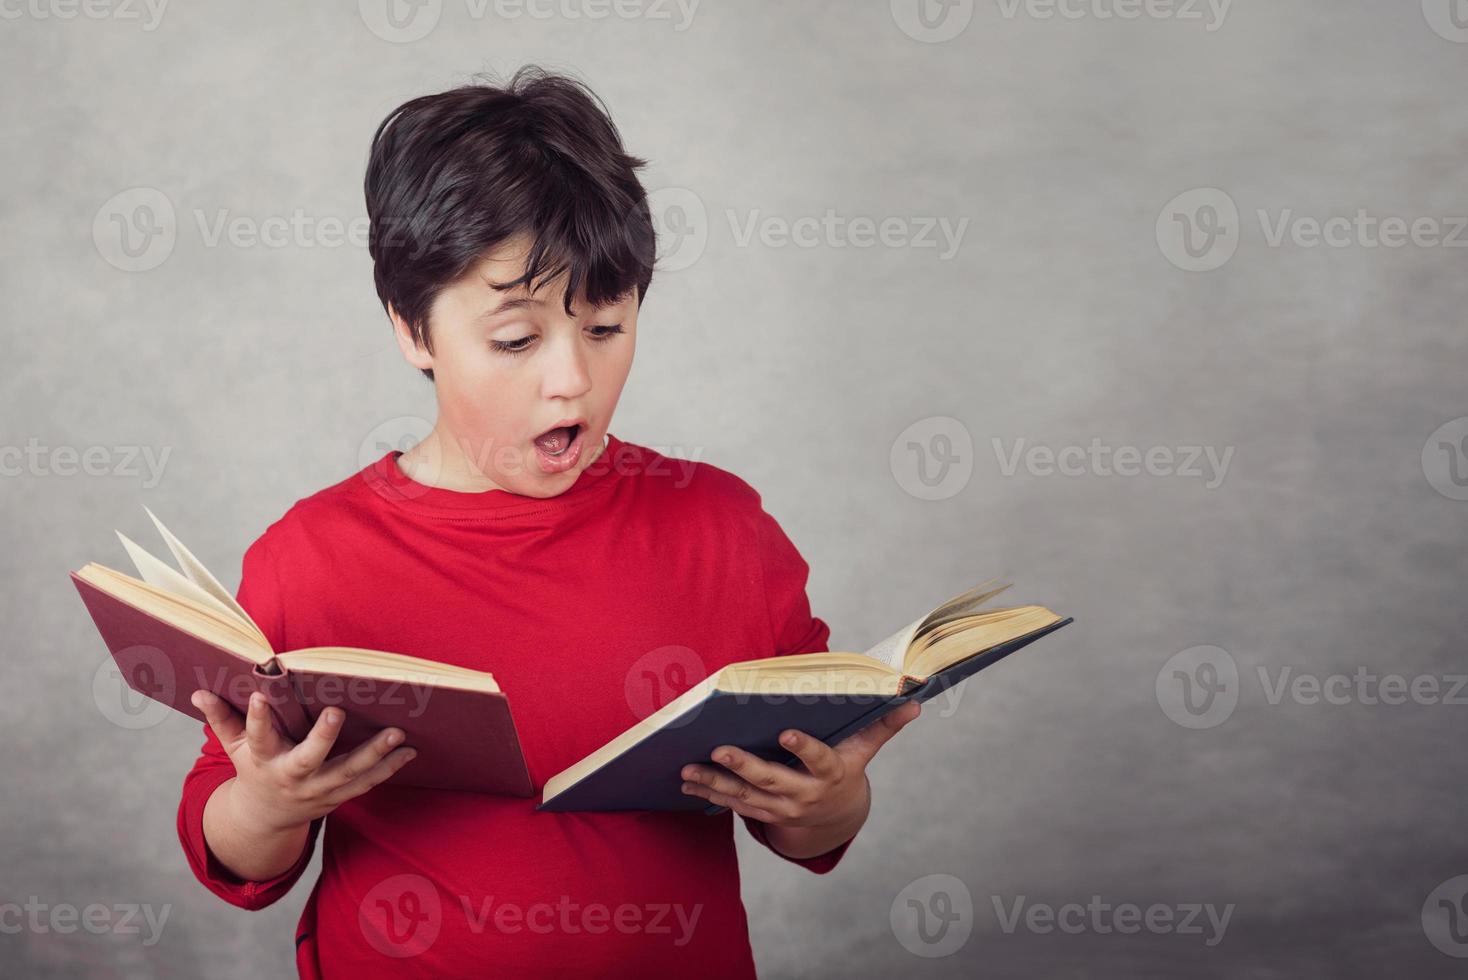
[(893, 650), (950, 643), (964, 604), (159, 575), (195, 569), (162, 576)]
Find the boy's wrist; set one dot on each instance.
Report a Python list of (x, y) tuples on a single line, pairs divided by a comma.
[(812, 841), (248, 817), (244, 844)]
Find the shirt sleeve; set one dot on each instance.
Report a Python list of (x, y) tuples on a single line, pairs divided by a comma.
[(260, 596), (794, 630)]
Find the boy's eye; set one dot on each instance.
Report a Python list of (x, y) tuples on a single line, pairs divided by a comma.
[(522, 344), (517, 346)]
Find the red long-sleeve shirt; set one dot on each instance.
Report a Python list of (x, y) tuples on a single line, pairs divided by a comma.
[(591, 609)]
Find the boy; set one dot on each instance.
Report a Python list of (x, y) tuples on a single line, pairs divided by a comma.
[(512, 247)]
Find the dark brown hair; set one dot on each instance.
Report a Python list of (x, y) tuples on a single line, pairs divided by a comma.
[(454, 175)]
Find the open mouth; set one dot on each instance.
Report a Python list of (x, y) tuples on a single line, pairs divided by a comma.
[(556, 442), (559, 448)]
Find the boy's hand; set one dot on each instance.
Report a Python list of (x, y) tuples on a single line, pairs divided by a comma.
[(280, 784), (831, 791)]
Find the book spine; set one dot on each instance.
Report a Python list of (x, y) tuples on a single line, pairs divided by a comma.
[(274, 681)]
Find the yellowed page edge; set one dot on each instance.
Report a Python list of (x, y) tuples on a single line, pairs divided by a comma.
[(200, 621), (384, 665), (893, 650), (587, 765), (955, 642)]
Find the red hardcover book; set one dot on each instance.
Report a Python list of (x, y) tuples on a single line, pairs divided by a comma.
[(174, 632)]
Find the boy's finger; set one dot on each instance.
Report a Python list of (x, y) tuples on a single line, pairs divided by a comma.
[(308, 756), (819, 758), (379, 773), (865, 743), (711, 781), (260, 734), (772, 777), (739, 806), (226, 722), (360, 760)]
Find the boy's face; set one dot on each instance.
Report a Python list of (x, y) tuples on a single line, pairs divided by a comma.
[(508, 366)]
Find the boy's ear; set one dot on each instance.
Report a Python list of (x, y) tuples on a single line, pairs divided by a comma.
[(413, 352)]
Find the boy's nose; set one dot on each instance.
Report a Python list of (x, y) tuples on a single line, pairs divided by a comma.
[(566, 374)]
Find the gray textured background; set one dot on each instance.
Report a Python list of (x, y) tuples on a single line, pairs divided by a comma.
[(1060, 320)]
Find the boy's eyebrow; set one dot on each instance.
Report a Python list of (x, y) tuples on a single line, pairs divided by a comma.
[(518, 303)]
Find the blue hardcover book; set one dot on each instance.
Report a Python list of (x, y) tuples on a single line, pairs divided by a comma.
[(828, 695)]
